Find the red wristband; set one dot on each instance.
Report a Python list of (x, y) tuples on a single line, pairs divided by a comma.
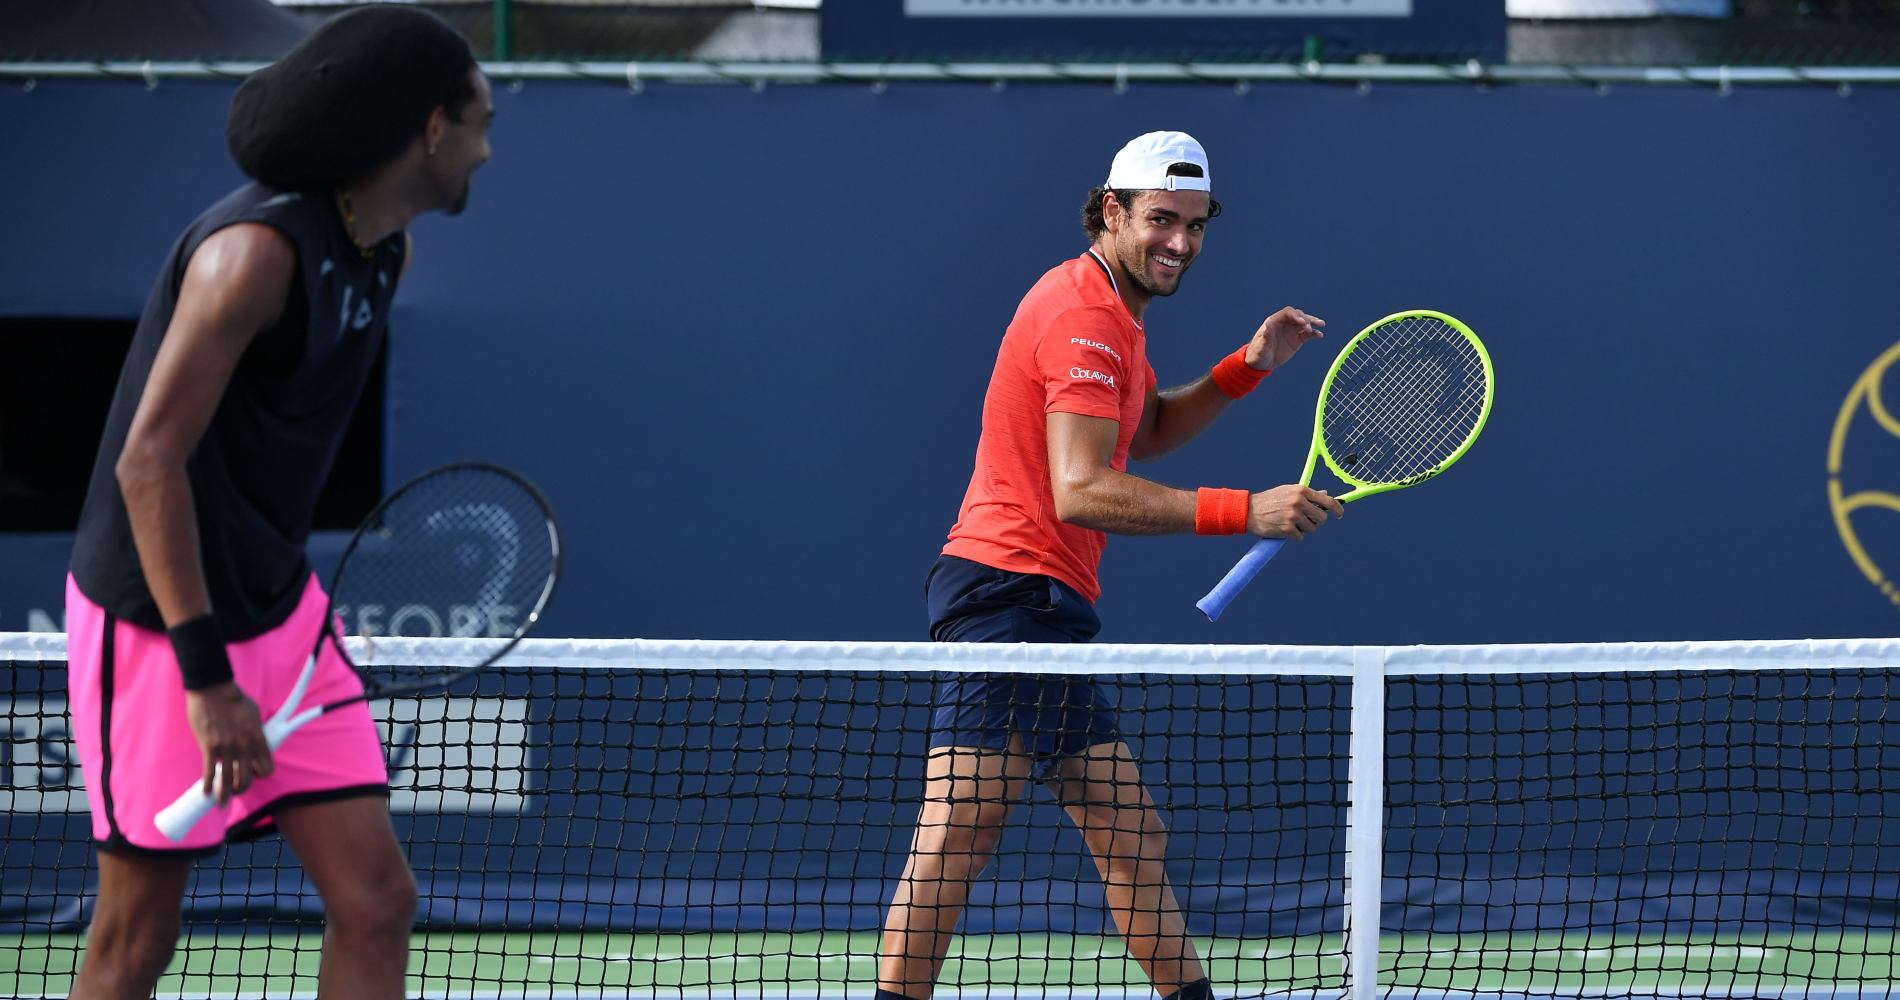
[(1235, 377), (1220, 512)]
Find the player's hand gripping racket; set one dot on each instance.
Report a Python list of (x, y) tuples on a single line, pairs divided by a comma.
[(468, 550), (1404, 400)]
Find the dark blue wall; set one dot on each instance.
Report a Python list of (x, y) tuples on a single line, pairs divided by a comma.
[(741, 338)]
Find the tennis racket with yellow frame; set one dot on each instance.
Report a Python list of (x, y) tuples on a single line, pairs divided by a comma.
[(1403, 401)]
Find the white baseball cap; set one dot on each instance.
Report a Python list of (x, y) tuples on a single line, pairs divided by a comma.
[(1143, 164)]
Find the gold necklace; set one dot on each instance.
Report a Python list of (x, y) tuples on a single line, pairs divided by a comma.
[(349, 224)]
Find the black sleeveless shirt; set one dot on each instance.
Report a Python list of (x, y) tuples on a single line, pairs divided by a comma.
[(256, 474)]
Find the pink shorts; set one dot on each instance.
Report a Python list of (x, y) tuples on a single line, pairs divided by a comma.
[(137, 749)]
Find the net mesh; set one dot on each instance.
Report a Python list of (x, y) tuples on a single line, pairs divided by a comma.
[(1720, 832), (642, 818)]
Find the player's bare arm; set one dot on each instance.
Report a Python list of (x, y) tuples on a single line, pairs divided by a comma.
[(235, 286), (1089, 492)]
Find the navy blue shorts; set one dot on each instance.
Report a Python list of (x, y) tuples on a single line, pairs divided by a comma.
[(1058, 715)]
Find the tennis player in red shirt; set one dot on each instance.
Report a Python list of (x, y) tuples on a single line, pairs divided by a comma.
[(1072, 397)]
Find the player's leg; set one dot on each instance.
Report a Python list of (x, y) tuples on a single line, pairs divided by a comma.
[(134, 926), (350, 852), (329, 796), (137, 751), (1101, 790), (979, 760), (968, 792)]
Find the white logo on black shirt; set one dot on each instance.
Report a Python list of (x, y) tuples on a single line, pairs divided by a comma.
[(363, 318)]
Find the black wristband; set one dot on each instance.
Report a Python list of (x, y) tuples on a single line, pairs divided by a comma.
[(199, 646), (1200, 989)]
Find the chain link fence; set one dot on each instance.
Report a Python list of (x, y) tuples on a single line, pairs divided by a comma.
[(1541, 33), (1705, 32)]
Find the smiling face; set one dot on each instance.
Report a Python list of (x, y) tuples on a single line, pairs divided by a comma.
[(1156, 237), (459, 145)]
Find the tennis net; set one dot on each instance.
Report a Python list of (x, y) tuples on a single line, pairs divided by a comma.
[(645, 818)]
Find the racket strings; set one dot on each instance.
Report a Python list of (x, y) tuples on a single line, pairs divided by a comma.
[(1403, 401), (1414, 398), (468, 552), (1403, 427), (1409, 439)]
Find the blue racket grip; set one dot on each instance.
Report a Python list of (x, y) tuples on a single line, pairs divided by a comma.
[(1239, 577)]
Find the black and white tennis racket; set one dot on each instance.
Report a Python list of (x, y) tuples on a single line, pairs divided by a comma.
[(467, 550)]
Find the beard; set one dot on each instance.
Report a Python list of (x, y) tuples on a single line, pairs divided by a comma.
[(456, 199), (451, 193), (1134, 260)]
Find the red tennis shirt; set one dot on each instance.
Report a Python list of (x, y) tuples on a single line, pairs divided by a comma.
[(1072, 348)]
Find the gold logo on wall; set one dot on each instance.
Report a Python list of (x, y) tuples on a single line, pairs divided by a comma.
[(1866, 392)]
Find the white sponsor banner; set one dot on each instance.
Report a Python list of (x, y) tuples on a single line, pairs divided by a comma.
[(447, 755), (1158, 8), (456, 755), (1572, 9), (38, 761)]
